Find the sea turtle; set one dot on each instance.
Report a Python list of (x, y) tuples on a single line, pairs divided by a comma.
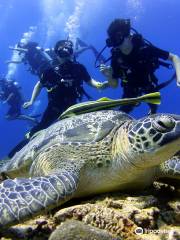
[(88, 154)]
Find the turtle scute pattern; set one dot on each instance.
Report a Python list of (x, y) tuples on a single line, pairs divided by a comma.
[(23, 198), (72, 131)]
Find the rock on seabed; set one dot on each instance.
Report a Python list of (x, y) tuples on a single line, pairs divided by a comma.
[(153, 214)]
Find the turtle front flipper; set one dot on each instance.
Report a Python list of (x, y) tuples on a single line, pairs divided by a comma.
[(21, 199), (170, 168)]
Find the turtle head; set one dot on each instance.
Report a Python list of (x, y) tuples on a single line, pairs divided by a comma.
[(153, 139)]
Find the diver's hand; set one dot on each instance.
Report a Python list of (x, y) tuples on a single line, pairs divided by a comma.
[(98, 85), (27, 104), (103, 85), (105, 70)]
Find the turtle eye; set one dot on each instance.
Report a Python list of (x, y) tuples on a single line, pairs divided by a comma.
[(164, 124)]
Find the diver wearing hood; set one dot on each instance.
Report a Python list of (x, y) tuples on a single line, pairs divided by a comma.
[(134, 60)]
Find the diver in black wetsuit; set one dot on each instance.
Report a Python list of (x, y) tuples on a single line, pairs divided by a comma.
[(10, 94), (64, 84), (134, 60)]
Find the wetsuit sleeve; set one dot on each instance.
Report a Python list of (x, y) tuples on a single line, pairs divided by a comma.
[(159, 53), (84, 75)]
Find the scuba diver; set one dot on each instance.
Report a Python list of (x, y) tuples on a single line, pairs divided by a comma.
[(10, 94), (64, 85), (34, 56), (134, 60)]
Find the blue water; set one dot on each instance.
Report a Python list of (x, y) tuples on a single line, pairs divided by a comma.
[(158, 21)]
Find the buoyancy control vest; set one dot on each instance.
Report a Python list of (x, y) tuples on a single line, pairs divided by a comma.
[(66, 78)]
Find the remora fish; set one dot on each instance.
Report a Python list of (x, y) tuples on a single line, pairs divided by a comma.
[(107, 103)]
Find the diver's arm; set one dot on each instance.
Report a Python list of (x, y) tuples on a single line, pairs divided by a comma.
[(89, 80), (176, 62), (107, 72), (98, 85), (35, 94)]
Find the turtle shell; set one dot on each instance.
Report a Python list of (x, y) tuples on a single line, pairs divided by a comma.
[(90, 127), (85, 128)]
